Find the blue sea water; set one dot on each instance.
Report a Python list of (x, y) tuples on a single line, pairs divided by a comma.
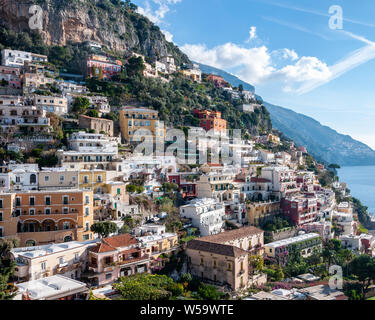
[(361, 182)]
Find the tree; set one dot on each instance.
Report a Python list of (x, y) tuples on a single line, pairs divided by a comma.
[(104, 229), (168, 187), (334, 166), (208, 292), (80, 105), (7, 266), (135, 66), (129, 221), (256, 263), (92, 113), (124, 229), (363, 267), (148, 287)]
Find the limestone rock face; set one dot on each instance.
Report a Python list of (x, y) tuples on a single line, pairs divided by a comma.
[(97, 20)]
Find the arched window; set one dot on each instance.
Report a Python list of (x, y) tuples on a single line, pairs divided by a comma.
[(68, 239), (32, 178)]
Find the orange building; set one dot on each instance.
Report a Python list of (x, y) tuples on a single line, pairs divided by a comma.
[(43, 217), (218, 81), (211, 120)]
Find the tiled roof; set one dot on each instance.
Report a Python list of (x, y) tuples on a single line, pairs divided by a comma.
[(216, 248), (119, 241), (260, 180), (111, 244), (227, 236), (102, 247)]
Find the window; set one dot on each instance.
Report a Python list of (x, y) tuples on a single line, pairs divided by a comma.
[(18, 202), (46, 178), (215, 264), (65, 199), (32, 212), (66, 226), (1, 232), (1, 203), (61, 260), (87, 226), (65, 210), (99, 178), (47, 211), (202, 262), (76, 256), (86, 179), (87, 199), (43, 266), (229, 266), (62, 178), (48, 201), (32, 201), (87, 211), (33, 179), (108, 276)]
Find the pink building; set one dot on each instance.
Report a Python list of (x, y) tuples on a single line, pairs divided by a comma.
[(116, 257), (300, 209), (12, 75)]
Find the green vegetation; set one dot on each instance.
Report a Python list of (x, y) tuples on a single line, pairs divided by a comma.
[(104, 229), (148, 287), (275, 224), (7, 266), (363, 268), (175, 101), (131, 188), (361, 210)]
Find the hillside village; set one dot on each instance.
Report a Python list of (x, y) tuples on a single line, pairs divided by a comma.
[(81, 208)]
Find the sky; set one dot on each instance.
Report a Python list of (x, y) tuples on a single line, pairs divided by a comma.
[(316, 57)]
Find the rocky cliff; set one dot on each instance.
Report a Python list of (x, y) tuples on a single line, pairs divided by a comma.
[(113, 23)]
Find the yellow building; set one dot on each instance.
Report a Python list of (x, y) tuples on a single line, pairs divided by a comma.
[(42, 217), (259, 212), (134, 119), (94, 180)]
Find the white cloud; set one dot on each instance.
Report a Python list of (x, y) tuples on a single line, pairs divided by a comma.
[(286, 54), (156, 10), (252, 34), (257, 66), (168, 35)]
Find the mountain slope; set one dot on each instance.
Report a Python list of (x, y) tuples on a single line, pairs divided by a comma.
[(324, 143), (233, 80), (113, 23)]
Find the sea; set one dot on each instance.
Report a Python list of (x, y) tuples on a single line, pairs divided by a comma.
[(361, 182)]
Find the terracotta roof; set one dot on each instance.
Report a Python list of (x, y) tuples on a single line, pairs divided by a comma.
[(102, 247), (217, 248), (227, 236), (111, 244), (119, 241), (260, 180)]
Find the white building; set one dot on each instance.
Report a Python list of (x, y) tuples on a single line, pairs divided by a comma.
[(53, 104), (20, 177), (345, 221), (89, 149), (359, 243), (52, 288), (206, 214), (15, 58), (283, 179)]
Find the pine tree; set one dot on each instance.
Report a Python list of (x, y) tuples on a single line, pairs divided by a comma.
[(7, 266)]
